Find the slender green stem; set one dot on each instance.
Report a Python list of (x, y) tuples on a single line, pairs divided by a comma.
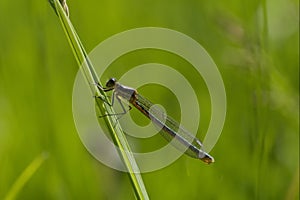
[(111, 120), (25, 176)]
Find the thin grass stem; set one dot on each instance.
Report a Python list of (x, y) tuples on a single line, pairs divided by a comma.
[(111, 121)]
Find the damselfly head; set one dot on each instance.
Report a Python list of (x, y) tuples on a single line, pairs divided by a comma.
[(111, 82)]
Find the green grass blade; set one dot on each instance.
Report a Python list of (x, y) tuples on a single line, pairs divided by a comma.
[(111, 121), (25, 176)]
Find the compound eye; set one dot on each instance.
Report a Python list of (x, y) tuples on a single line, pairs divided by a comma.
[(111, 82)]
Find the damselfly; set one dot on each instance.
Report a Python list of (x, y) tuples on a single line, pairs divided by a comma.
[(171, 130)]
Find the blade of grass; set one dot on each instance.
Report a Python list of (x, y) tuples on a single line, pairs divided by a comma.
[(25, 176), (111, 121)]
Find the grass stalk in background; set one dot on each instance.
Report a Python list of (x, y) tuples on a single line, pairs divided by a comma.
[(25, 176), (111, 120)]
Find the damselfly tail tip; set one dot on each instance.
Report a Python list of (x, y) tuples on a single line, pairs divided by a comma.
[(207, 158)]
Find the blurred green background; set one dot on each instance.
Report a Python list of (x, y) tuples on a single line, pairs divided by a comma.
[(255, 45)]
